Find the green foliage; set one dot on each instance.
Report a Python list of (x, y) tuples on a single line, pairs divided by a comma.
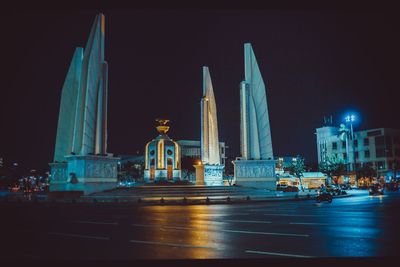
[(333, 166), (295, 168), (366, 171), (131, 170)]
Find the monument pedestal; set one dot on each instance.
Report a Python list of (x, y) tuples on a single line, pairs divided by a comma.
[(213, 175), (255, 173), (199, 174), (87, 173)]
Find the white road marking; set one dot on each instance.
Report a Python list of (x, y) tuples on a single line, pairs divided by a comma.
[(264, 233), (277, 254), (178, 227), (244, 221), (167, 244), (307, 223), (222, 230), (103, 223), (81, 236), (277, 214), (144, 225), (231, 214)]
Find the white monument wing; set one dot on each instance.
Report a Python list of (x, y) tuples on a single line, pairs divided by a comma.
[(66, 117), (258, 127), (209, 124)]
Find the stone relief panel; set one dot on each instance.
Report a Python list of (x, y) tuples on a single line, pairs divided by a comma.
[(254, 171), (101, 169), (59, 173), (213, 172)]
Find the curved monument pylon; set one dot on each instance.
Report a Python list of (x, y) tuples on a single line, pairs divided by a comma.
[(209, 143), (256, 166), (81, 141)]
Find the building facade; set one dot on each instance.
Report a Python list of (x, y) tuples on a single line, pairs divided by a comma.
[(378, 148), (192, 148)]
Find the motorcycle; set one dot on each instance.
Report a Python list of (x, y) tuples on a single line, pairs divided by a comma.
[(324, 196)]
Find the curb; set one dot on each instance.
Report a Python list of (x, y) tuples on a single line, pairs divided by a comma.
[(160, 201)]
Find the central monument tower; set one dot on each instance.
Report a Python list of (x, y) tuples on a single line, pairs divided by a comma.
[(256, 166), (162, 157)]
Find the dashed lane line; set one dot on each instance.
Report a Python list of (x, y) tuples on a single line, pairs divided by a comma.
[(81, 236), (277, 254), (246, 221), (298, 215), (168, 244), (101, 223), (308, 223), (223, 230), (265, 233)]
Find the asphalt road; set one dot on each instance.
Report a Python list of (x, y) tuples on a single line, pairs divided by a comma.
[(357, 226)]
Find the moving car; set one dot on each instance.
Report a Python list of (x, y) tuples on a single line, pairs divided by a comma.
[(126, 184), (334, 190), (376, 189), (345, 187)]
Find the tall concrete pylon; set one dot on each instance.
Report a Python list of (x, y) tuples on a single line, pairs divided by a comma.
[(82, 123), (210, 153), (255, 131)]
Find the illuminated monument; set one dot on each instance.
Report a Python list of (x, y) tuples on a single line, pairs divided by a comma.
[(81, 162), (211, 167), (162, 157), (256, 166)]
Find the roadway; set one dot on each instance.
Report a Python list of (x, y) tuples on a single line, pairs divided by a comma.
[(356, 226)]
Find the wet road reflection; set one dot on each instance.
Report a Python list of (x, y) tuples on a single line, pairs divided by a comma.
[(358, 226)]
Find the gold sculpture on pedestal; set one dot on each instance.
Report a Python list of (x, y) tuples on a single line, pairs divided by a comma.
[(162, 126)]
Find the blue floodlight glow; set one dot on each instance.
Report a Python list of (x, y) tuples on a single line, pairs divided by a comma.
[(350, 118)]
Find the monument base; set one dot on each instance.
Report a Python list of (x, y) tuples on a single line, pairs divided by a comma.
[(255, 173), (213, 175), (199, 174), (161, 176), (88, 174)]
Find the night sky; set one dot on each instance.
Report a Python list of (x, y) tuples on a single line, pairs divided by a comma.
[(314, 63)]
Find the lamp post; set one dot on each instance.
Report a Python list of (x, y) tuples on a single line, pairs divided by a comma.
[(350, 118)]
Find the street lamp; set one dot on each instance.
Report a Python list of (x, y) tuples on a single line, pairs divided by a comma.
[(350, 118)]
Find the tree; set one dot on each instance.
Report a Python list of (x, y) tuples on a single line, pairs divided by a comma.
[(187, 166), (131, 170), (333, 166), (229, 170), (296, 168), (366, 171)]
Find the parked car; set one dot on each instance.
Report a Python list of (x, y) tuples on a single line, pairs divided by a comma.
[(14, 188), (392, 187), (376, 189), (281, 187), (291, 189)]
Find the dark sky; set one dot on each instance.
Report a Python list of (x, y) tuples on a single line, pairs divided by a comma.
[(314, 63)]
